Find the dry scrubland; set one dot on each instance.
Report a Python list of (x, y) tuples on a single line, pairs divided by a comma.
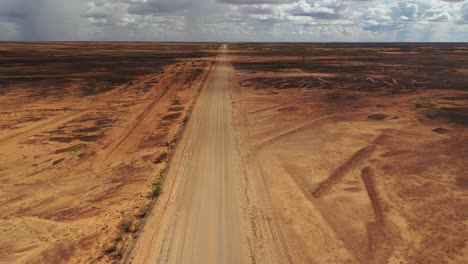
[(347, 153), (362, 151), (85, 133)]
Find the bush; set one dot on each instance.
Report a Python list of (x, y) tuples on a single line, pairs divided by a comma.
[(78, 147), (130, 225), (172, 142), (156, 190), (127, 225), (377, 116), (110, 250), (162, 157), (143, 211)]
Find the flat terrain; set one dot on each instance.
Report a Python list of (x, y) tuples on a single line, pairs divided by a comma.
[(202, 219), (356, 153), (85, 132), (275, 153)]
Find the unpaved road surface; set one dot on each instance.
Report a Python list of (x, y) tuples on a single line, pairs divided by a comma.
[(323, 172), (198, 218)]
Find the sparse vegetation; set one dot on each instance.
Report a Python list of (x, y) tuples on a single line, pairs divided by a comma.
[(339, 97), (171, 143), (450, 115), (60, 134), (143, 211), (110, 250), (161, 157), (185, 120), (412, 166), (78, 148), (333, 97), (377, 116), (319, 110), (129, 225), (170, 117), (57, 162), (126, 225), (156, 190), (441, 130)]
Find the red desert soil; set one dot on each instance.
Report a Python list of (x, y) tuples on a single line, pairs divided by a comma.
[(325, 160), (293, 153), (86, 129), (359, 158)]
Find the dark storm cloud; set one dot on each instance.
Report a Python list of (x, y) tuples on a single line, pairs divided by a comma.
[(99, 14), (11, 9), (44, 19), (213, 19)]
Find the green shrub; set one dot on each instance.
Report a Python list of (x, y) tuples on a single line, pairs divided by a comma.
[(156, 190), (78, 147)]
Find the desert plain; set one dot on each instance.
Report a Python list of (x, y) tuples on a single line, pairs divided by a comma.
[(233, 153), (86, 130)]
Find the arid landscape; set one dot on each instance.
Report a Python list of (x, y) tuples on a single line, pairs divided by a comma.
[(86, 131), (233, 153), (360, 151)]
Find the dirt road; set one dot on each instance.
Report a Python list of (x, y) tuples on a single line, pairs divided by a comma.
[(198, 217)]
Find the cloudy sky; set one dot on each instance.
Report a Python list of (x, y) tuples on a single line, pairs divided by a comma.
[(235, 20)]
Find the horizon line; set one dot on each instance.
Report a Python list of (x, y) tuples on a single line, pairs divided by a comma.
[(260, 42)]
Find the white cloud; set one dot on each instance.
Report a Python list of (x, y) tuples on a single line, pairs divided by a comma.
[(235, 20)]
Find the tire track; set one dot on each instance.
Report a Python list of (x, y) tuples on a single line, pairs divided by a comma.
[(200, 219), (41, 127), (343, 169), (139, 119), (356, 159), (379, 232)]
